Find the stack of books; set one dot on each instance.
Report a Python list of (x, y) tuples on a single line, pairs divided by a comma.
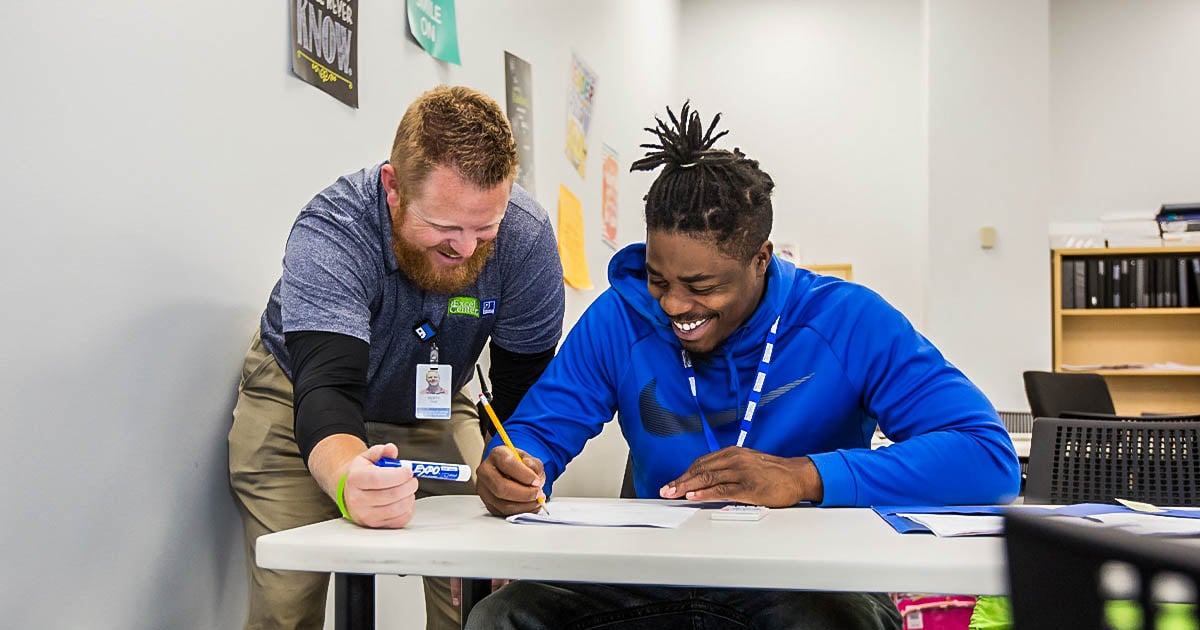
[(1130, 229), (1179, 223)]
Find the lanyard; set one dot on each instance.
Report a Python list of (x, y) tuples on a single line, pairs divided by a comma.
[(764, 364)]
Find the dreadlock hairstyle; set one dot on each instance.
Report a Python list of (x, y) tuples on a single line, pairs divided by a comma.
[(704, 192)]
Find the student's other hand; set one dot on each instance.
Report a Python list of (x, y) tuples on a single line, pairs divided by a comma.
[(747, 476), (379, 497), (508, 485)]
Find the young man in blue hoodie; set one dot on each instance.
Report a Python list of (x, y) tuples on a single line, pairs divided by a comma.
[(738, 377)]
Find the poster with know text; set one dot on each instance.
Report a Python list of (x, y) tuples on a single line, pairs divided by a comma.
[(325, 46)]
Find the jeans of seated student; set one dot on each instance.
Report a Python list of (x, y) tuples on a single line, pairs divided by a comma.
[(274, 490), (568, 606)]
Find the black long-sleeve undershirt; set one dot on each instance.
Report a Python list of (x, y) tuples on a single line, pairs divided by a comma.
[(329, 377)]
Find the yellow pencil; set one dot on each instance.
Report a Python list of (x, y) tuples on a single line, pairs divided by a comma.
[(507, 442)]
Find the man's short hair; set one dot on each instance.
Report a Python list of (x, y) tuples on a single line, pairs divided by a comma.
[(457, 127)]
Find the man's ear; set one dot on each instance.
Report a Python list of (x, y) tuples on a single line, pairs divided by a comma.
[(391, 186), (762, 259)]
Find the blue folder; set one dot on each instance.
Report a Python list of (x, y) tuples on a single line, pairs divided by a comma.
[(891, 513)]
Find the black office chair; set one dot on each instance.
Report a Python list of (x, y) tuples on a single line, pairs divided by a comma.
[(1061, 575), (1098, 461), (1051, 393)]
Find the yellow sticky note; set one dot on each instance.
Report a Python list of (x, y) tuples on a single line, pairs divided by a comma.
[(1138, 506), (570, 240)]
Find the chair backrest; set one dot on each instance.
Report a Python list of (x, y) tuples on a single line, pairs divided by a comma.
[(1051, 393), (1158, 417), (628, 491), (1060, 575), (1097, 461)]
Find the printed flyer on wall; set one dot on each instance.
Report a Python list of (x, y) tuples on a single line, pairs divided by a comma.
[(581, 96), (325, 46), (432, 25), (610, 170), (518, 79)]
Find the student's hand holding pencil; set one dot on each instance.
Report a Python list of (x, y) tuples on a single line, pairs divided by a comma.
[(508, 485)]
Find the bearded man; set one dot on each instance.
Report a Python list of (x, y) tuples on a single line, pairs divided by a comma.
[(403, 267)]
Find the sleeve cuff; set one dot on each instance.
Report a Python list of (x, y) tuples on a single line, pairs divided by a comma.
[(841, 489)]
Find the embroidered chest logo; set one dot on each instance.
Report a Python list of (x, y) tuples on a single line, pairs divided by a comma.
[(662, 422), (462, 305)]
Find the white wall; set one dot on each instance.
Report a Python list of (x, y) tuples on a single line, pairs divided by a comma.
[(155, 155), (829, 97), (1125, 133), (988, 310)]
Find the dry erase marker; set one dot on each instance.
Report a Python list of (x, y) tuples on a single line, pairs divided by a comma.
[(429, 470)]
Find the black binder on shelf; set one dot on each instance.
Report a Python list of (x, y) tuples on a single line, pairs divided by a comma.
[(1194, 276), (1172, 289), (1079, 270), (1095, 282), (1183, 281), (1160, 282), (1141, 293), (1067, 283), (1116, 283)]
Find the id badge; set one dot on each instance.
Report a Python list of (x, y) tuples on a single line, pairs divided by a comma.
[(433, 395)]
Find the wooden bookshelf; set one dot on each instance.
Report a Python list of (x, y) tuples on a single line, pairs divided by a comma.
[(839, 270), (1151, 336)]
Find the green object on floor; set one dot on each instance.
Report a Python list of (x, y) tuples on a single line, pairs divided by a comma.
[(991, 613), (1125, 614)]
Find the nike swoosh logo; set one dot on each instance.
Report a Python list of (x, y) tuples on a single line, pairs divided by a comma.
[(662, 422)]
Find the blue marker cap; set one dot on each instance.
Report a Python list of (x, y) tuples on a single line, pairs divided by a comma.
[(429, 470)]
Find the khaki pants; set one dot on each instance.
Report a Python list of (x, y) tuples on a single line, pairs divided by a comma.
[(275, 492)]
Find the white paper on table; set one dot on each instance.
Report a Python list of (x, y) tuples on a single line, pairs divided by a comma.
[(947, 525), (1142, 523), (608, 514)]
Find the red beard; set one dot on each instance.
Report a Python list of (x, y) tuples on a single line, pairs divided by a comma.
[(416, 263)]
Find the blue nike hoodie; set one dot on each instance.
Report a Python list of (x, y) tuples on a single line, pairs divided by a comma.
[(844, 360)]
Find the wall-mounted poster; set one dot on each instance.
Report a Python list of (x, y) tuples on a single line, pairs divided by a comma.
[(581, 96), (518, 81), (431, 23), (609, 170), (325, 46), (570, 240)]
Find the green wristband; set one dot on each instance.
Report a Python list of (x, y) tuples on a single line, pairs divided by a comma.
[(341, 498)]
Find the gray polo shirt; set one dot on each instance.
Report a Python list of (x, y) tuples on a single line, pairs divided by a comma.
[(339, 275)]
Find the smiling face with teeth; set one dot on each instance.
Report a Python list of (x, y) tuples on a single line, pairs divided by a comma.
[(706, 294), (443, 237)]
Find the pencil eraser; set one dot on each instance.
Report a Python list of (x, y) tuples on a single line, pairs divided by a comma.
[(739, 513)]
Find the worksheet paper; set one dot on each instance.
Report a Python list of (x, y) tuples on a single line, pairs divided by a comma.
[(607, 514), (1153, 524), (959, 524)]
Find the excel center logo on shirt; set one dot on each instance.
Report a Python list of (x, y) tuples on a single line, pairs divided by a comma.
[(464, 305)]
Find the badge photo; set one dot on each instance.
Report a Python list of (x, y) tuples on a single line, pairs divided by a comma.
[(433, 382)]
